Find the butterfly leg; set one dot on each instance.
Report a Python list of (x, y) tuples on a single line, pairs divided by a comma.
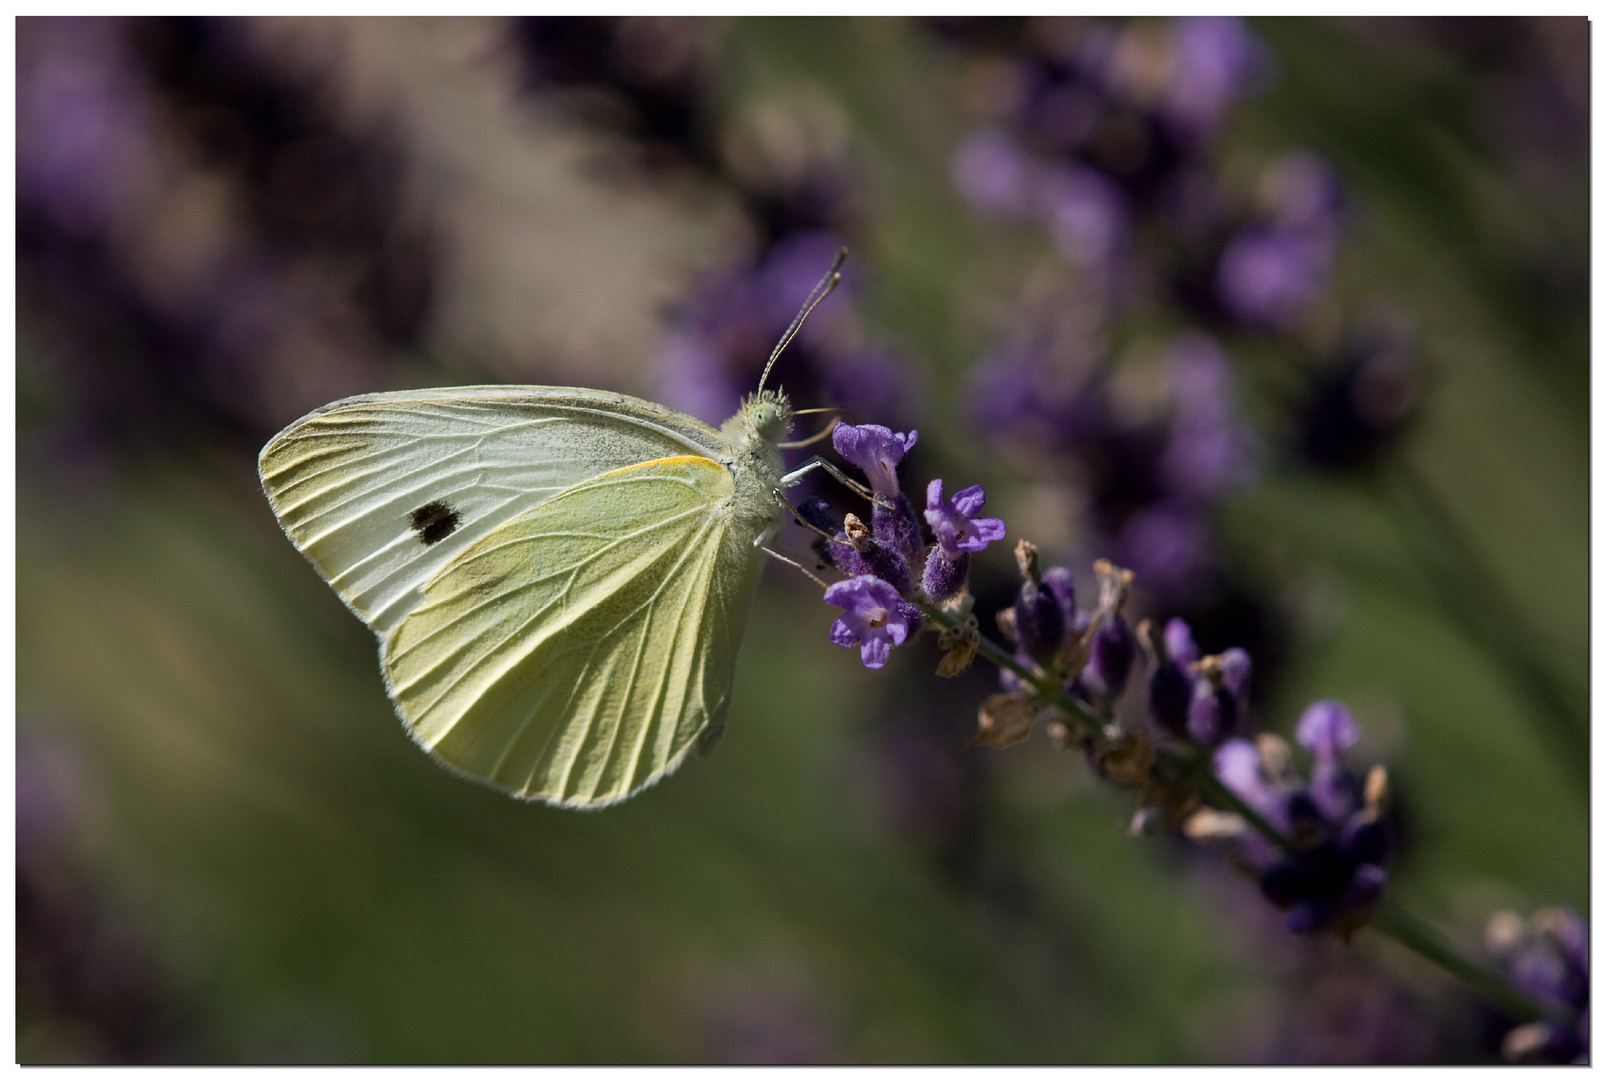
[(792, 562), (794, 477)]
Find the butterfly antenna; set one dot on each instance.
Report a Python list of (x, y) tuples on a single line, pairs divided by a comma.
[(820, 291), (811, 439)]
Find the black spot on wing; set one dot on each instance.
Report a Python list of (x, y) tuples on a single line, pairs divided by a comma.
[(435, 521)]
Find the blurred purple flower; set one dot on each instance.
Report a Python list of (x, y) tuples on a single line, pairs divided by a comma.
[(82, 121), (1041, 620), (875, 618), (1017, 391), (1112, 652), (1272, 276), (1332, 876), (1236, 765), (1085, 213), (1215, 62), (1546, 956), (1327, 728), (788, 275), (1208, 451), (993, 173), (1168, 545), (874, 380), (1219, 698), (1178, 642)]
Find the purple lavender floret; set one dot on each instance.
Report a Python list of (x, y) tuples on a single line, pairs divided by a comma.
[(876, 450), (1211, 714), (1237, 766), (1178, 642), (1328, 729), (953, 521), (1547, 957), (1332, 877), (958, 533), (1169, 694), (875, 618)]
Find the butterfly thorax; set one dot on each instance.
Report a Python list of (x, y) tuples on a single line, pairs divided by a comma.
[(752, 433)]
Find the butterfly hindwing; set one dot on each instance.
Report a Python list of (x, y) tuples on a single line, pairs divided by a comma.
[(382, 492), (577, 652)]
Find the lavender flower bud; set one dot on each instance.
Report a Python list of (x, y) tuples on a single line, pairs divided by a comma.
[(1112, 653), (1211, 716), (1113, 647), (1169, 692), (1169, 686), (1219, 696), (1038, 615), (945, 574), (1061, 583)]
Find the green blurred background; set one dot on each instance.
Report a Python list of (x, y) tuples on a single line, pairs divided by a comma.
[(228, 849)]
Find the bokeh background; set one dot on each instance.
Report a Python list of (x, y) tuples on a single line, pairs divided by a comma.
[(1289, 316)]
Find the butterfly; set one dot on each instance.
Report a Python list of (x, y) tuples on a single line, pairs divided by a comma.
[(558, 577)]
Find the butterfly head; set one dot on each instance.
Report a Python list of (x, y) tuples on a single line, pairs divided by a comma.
[(768, 414)]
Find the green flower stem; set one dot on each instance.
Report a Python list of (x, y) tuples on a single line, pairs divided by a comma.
[(1193, 770), (1404, 928)]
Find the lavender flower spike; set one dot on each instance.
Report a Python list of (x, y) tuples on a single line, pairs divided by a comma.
[(953, 522), (875, 618), (876, 450)]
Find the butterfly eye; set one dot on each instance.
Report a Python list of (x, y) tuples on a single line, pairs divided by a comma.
[(765, 418)]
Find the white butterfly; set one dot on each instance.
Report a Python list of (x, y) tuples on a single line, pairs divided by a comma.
[(558, 577)]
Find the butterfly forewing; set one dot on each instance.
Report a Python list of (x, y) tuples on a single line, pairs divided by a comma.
[(576, 653), (383, 492)]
